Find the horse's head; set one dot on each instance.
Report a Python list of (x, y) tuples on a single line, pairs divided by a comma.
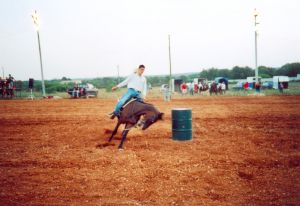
[(149, 118)]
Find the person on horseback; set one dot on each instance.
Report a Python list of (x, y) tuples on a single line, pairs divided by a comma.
[(137, 86)]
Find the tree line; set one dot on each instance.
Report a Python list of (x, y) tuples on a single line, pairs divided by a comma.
[(237, 72)]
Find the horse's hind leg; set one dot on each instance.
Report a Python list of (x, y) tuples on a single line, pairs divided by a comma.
[(114, 132)]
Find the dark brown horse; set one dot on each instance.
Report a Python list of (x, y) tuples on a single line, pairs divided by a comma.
[(131, 117), (213, 88)]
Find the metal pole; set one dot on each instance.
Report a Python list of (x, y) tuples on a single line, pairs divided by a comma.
[(170, 78), (36, 23), (255, 33), (41, 62), (256, 69), (3, 72), (118, 74)]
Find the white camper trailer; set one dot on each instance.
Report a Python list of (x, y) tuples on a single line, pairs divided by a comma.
[(280, 79)]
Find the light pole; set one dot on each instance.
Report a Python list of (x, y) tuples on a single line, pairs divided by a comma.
[(255, 33), (3, 72), (118, 73), (170, 78), (36, 24)]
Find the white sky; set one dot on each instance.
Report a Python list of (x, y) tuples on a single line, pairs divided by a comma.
[(86, 38)]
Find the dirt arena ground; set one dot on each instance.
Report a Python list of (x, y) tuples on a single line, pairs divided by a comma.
[(245, 151)]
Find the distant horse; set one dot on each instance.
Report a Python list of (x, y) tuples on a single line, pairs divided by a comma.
[(6, 89), (2, 88), (213, 88), (221, 88), (131, 116), (202, 87)]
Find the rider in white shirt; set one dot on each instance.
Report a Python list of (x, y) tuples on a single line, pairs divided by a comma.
[(136, 84)]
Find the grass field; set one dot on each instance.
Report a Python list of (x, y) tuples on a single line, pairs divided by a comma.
[(294, 89)]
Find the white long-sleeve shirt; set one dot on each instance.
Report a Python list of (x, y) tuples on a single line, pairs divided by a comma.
[(136, 82)]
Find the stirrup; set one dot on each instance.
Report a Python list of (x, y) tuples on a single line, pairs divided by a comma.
[(111, 115)]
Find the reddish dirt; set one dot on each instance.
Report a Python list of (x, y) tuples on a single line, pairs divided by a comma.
[(245, 151)]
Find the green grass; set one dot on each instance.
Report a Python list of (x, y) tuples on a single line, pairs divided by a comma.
[(294, 89)]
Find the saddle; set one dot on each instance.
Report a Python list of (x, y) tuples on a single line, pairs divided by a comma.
[(130, 117), (129, 101)]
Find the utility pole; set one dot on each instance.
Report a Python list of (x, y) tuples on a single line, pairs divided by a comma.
[(118, 69), (170, 78), (3, 72), (255, 34), (36, 23)]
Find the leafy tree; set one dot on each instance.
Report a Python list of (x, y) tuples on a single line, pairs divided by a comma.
[(184, 78), (210, 74), (266, 72), (65, 79), (290, 70), (158, 80), (241, 72), (224, 73)]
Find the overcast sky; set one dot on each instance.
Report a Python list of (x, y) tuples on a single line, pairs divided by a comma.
[(86, 38)]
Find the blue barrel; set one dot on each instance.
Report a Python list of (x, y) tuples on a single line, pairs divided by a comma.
[(182, 124)]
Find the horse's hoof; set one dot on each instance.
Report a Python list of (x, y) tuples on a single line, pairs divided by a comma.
[(121, 149)]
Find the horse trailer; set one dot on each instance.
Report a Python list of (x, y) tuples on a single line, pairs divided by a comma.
[(222, 79), (177, 83), (203, 81), (280, 79)]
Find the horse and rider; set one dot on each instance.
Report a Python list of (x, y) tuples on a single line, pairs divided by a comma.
[(217, 88), (7, 86), (135, 112), (202, 86), (213, 89)]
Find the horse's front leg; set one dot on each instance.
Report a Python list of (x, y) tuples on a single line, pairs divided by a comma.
[(114, 132), (124, 134)]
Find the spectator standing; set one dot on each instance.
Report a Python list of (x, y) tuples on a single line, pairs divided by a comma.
[(280, 87), (75, 92), (246, 86), (10, 81), (196, 88), (223, 87), (166, 92), (257, 87), (183, 88), (191, 88)]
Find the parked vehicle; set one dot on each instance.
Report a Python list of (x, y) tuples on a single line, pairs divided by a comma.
[(239, 85), (219, 80), (83, 90), (280, 79), (267, 85)]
